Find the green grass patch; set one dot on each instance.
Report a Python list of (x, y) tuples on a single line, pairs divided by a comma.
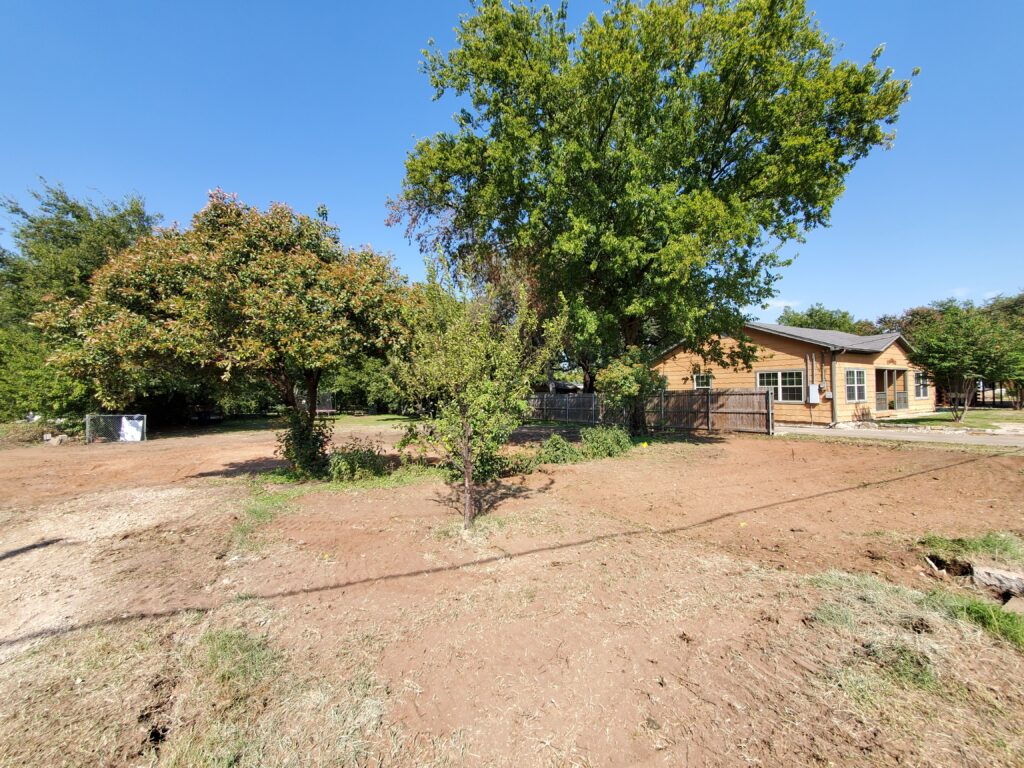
[(903, 664), (369, 420), (982, 418), (985, 614), (236, 659), (263, 508), (995, 544), (406, 474)]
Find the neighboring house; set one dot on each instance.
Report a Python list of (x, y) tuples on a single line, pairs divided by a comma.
[(817, 376)]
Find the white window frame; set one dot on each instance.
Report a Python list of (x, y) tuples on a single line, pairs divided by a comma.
[(697, 377), (778, 386), (921, 384), (862, 385)]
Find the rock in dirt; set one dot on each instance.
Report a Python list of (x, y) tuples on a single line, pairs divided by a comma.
[(1014, 605), (1003, 582)]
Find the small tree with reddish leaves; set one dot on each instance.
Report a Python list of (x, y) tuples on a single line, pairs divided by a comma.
[(272, 294)]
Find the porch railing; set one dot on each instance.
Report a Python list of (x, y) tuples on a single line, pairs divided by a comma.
[(882, 401)]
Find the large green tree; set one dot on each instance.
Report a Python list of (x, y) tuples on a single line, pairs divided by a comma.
[(243, 292), (60, 242), (820, 316), (962, 344), (647, 166), (1008, 311)]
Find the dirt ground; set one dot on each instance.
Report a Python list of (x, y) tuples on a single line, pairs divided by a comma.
[(728, 601)]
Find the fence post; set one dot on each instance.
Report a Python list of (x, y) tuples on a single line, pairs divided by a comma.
[(661, 413), (709, 409), (567, 408), (593, 408), (771, 412)]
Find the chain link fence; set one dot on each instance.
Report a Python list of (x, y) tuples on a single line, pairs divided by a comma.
[(115, 428)]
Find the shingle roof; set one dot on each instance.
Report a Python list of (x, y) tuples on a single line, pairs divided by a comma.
[(834, 340)]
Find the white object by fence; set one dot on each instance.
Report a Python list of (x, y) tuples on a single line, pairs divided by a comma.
[(115, 428)]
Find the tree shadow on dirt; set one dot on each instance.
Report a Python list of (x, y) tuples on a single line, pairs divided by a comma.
[(492, 495), (28, 548), (248, 467)]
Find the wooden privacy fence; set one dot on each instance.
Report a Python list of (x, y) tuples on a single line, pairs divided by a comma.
[(714, 410)]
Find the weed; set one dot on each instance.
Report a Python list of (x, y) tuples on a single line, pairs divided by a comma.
[(832, 615), (595, 443), (236, 659), (990, 617), (358, 459), (605, 442), (903, 664), (264, 507), (557, 450), (406, 474), (1002, 546)]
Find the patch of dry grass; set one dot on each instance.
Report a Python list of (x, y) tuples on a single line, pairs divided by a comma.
[(200, 692), (903, 662)]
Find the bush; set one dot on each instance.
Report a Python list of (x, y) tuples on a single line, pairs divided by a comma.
[(604, 442), (21, 432), (516, 464), (557, 450), (304, 445), (357, 460)]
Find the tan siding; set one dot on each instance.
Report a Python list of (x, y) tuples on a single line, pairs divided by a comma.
[(780, 354)]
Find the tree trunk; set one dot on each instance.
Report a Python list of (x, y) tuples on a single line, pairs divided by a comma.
[(636, 418), (312, 382), (467, 472), (588, 378), (967, 389)]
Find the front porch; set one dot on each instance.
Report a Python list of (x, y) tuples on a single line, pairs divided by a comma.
[(892, 391)]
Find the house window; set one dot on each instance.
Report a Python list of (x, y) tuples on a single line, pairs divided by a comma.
[(920, 384), (856, 386), (702, 381), (788, 386)]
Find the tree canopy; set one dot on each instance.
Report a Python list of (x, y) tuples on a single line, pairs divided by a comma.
[(60, 242), (271, 294), (647, 166), (962, 344), (467, 366), (819, 316)]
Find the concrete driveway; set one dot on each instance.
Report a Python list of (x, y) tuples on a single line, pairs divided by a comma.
[(907, 435)]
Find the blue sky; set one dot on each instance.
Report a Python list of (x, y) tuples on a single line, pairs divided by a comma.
[(319, 102)]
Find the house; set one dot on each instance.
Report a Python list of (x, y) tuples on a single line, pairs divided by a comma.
[(817, 376)]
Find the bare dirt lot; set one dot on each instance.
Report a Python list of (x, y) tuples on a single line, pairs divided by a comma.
[(730, 601)]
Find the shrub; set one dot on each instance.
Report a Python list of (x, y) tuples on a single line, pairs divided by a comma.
[(603, 442), (517, 464), (357, 460), (19, 432), (304, 445), (557, 450)]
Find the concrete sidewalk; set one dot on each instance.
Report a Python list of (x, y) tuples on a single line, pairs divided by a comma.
[(906, 435)]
